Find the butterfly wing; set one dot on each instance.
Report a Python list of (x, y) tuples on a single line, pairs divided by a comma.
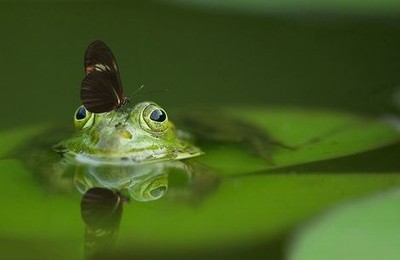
[(98, 93), (101, 89)]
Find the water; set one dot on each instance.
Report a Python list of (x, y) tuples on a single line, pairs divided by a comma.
[(186, 56)]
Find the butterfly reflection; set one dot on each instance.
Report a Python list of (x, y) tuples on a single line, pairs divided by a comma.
[(101, 211)]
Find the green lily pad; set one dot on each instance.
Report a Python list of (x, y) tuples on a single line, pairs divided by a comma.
[(362, 229), (315, 135)]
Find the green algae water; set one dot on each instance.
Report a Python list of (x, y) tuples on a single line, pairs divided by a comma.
[(295, 112)]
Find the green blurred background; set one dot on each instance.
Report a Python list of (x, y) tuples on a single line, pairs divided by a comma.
[(333, 54), (341, 55)]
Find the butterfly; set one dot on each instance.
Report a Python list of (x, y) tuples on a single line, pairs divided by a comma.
[(101, 89)]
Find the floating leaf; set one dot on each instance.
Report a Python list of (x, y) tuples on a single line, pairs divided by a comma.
[(315, 135), (362, 229)]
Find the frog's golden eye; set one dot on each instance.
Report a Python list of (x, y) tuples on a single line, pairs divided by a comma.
[(155, 118), (83, 118)]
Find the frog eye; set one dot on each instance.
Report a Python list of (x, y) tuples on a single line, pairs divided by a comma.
[(80, 113), (155, 118), (158, 115), (149, 189), (83, 118)]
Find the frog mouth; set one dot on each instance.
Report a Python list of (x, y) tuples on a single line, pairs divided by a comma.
[(137, 157)]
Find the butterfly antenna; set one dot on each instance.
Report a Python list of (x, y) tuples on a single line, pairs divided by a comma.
[(148, 92), (154, 92), (136, 91)]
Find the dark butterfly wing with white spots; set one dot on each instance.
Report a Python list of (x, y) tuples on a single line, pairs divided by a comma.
[(101, 90)]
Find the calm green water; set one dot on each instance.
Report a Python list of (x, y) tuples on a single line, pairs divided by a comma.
[(193, 57)]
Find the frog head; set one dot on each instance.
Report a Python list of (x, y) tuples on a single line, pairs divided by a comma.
[(134, 135)]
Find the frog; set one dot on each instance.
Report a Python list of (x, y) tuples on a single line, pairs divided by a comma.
[(140, 134), (131, 151)]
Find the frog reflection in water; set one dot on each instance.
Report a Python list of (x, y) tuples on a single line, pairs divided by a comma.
[(128, 155)]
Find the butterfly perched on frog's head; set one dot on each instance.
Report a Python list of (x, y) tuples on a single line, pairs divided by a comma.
[(101, 89)]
